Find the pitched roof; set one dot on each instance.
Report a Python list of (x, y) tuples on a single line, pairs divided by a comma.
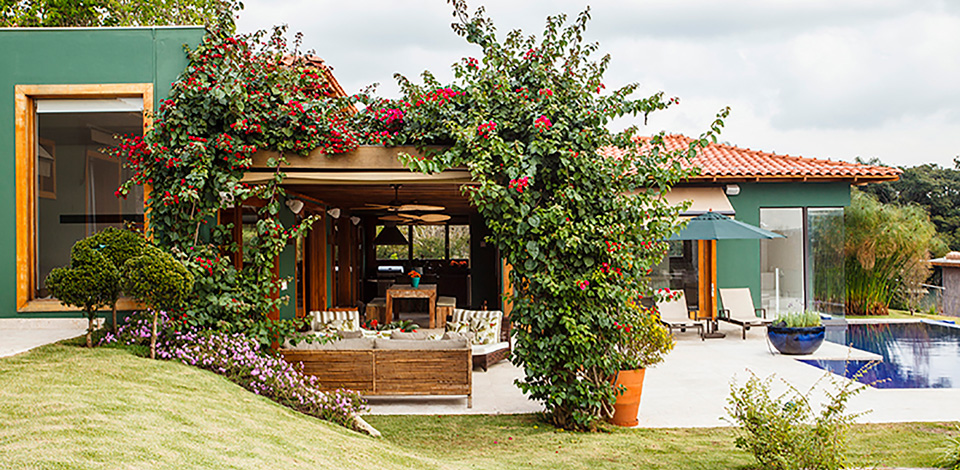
[(721, 162), (312, 61)]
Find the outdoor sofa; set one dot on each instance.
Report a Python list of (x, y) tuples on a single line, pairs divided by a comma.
[(387, 366)]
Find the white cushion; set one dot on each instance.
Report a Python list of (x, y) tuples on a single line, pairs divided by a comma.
[(481, 349)]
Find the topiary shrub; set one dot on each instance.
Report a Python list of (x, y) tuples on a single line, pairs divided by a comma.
[(118, 246), (90, 283), (157, 279)]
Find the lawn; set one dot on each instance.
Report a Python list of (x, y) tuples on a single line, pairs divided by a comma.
[(902, 315), (68, 407)]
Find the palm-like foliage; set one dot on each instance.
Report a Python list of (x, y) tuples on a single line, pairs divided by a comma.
[(887, 248)]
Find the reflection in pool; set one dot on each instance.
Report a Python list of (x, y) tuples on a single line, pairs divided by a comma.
[(915, 355)]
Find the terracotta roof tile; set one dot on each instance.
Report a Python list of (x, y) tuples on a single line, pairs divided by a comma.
[(726, 162)]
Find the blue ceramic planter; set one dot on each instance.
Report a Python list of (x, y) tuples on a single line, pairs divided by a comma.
[(796, 341), (415, 281)]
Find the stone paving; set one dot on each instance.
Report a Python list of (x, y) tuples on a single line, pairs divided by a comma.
[(691, 387), (20, 335)]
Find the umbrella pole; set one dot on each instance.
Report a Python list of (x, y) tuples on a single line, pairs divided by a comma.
[(708, 286)]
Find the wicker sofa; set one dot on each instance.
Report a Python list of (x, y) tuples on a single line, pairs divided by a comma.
[(388, 367)]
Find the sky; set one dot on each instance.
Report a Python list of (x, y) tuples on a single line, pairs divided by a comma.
[(813, 78)]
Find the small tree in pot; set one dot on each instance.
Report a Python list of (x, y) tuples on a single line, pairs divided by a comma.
[(640, 342), (90, 283), (158, 280)]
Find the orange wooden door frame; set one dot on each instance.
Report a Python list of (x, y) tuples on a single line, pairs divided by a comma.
[(707, 262)]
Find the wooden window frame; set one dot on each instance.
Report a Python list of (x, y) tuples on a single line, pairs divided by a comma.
[(26, 177)]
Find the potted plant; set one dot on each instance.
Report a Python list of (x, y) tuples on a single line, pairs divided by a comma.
[(797, 333), (640, 343), (414, 278)]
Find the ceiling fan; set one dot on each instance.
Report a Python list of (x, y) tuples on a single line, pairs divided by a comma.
[(397, 206), (403, 218)]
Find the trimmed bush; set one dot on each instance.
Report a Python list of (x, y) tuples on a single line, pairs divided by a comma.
[(90, 283), (118, 246), (158, 280)]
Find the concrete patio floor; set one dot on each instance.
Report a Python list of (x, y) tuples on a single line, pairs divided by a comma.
[(691, 387), (20, 335)]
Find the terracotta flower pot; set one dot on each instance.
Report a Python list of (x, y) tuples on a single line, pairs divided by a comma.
[(628, 403)]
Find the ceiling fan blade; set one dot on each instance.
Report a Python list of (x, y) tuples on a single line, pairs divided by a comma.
[(420, 207), (409, 216), (434, 217), (392, 218), (373, 207)]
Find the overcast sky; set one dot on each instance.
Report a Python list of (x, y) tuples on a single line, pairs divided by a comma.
[(813, 78)]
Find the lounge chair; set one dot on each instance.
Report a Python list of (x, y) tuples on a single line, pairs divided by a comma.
[(674, 315), (738, 309)]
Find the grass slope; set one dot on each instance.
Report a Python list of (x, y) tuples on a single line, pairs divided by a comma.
[(68, 407)]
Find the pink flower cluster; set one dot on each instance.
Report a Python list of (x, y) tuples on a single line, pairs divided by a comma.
[(542, 123), (484, 130), (240, 359), (583, 284), (519, 184)]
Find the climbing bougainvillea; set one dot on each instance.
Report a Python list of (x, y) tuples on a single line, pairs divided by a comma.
[(239, 95), (581, 230)]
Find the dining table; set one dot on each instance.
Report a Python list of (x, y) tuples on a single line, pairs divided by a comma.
[(407, 291)]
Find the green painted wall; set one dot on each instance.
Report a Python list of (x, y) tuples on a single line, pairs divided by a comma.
[(74, 56), (738, 261)]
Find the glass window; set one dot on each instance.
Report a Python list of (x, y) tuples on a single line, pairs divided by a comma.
[(392, 252), (429, 242), (826, 281), (679, 270), (77, 180), (459, 241), (781, 261)]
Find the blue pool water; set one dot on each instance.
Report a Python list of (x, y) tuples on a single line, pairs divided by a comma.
[(915, 355)]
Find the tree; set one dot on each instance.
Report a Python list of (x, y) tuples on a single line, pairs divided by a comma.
[(158, 280), (90, 283), (580, 229), (932, 187), (886, 252), (61, 13), (118, 246)]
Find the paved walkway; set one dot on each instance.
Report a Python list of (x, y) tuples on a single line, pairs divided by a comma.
[(691, 387), (20, 335)]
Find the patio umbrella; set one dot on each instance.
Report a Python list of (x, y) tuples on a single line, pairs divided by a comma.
[(715, 226), (710, 227)]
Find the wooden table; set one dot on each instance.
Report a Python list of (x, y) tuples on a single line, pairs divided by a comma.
[(407, 291)]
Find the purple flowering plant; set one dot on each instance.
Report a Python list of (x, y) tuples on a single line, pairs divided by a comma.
[(240, 359)]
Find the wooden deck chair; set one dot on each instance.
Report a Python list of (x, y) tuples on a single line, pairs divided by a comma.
[(674, 315), (738, 309)]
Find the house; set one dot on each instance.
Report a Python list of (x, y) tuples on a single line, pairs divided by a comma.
[(67, 92)]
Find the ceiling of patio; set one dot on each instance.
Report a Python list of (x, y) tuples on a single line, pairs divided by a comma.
[(350, 196)]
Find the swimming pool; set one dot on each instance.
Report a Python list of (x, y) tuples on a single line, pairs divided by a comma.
[(915, 355)]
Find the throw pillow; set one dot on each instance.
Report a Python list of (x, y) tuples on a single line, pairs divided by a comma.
[(485, 330), (458, 326)]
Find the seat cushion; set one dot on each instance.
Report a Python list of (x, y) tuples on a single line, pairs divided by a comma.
[(481, 349), (420, 344), (486, 325)]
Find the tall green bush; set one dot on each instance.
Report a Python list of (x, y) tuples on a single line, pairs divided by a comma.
[(886, 252), (157, 279), (118, 246), (581, 228), (90, 283)]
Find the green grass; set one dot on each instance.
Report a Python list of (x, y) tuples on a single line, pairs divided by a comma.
[(902, 314), (68, 407), (491, 442)]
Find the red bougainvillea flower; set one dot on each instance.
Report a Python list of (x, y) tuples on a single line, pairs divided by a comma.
[(519, 184), (484, 130), (583, 284), (542, 123)]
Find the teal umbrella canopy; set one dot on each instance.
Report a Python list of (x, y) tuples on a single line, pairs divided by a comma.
[(714, 226)]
